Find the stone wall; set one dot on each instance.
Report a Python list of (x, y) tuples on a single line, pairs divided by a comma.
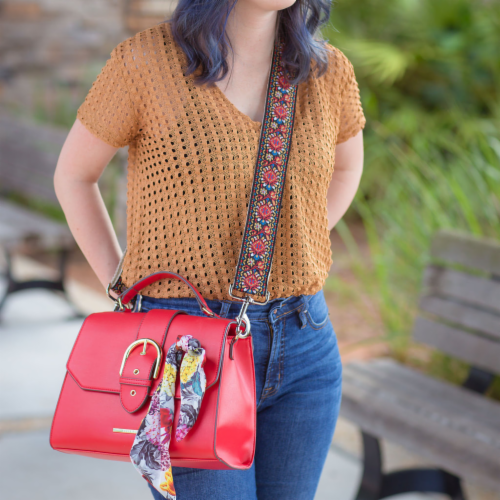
[(50, 44)]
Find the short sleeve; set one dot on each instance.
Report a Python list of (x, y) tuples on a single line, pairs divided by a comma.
[(108, 110), (352, 118)]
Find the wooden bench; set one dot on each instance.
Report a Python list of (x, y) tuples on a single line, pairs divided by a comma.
[(456, 428), (28, 158)]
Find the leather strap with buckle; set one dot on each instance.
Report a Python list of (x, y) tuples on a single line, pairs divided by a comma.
[(142, 360)]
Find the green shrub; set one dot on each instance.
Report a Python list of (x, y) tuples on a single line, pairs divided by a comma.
[(429, 76)]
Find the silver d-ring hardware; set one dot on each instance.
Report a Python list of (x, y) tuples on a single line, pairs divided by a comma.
[(244, 318), (239, 335)]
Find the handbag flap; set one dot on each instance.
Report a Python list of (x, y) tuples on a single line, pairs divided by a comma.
[(104, 337)]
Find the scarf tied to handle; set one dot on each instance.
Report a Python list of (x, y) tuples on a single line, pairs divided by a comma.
[(149, 453)]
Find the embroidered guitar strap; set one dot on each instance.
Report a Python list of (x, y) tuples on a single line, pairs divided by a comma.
[(257, 248), (150, 451)]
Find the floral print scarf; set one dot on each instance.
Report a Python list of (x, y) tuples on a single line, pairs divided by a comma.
[(149, 453)]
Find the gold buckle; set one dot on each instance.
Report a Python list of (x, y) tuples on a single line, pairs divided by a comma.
[(144, 342)]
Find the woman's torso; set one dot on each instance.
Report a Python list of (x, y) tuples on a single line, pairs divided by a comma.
[(191, 161)]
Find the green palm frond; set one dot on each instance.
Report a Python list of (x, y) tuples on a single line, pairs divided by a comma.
[(382, 62)]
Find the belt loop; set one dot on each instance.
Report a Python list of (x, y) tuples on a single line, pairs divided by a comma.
[(303, 318), (282, 301), (226, 305), (303, 311)]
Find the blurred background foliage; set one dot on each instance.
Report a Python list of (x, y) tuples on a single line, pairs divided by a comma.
[(429, 74)]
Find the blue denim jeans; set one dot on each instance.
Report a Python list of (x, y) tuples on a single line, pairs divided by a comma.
[(298, 380)]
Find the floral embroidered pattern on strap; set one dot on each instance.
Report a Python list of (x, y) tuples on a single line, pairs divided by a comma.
[(149, 453), (119, 287), (256, 253)]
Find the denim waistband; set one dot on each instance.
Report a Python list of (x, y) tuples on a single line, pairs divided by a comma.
[(277, 307)]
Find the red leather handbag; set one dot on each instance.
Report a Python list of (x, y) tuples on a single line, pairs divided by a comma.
[(115, 363), (114, 367)]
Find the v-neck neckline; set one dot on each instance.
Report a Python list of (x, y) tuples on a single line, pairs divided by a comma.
[(257, 125)]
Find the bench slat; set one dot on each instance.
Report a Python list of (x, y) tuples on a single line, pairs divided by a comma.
[(473, 290), (469, 251), (392, 411), (437, 445), (431, 428), (455, 401), (437, 430), (463, 315), (480, 351)]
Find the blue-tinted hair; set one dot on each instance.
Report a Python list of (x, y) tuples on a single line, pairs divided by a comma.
[(198, 27)]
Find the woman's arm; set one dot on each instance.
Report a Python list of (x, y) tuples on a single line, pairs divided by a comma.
[(345, 179), (82, 160)]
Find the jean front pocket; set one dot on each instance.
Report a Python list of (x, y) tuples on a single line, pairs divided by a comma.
[(316, 312)]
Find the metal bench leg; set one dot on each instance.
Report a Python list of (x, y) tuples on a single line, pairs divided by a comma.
[(8, 276), (372, 479), (478, 380), (14, 285), (423, 481), (376, 485)]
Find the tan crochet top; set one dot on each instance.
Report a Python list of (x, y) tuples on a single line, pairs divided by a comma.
[(191, 160)]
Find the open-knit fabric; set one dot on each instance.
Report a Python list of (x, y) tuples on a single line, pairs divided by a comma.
[(191, 160)]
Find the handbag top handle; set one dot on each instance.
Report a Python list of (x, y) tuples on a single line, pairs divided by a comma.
[(257, 248)]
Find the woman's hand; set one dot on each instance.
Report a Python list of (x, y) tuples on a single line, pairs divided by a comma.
[(349, 158), (81, 162)]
